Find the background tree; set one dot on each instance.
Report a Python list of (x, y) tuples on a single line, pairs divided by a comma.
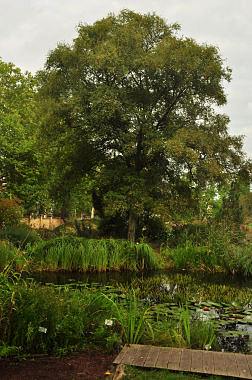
[(20, 162), (142, 101)]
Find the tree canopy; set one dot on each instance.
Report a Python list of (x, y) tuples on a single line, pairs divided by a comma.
[(20, 161), (134, 104)]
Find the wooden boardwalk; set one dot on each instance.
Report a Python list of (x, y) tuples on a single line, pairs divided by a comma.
[(182, 359)]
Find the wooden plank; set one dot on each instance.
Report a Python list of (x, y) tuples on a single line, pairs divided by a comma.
[(130, 354), (121, 355), (208, 362), (219, 364), (152, 357), (249, 361), (197, 361), (243, 368), (163, 357), (231, 364), (141, 355), (174, 359), (215, 363), (185, 360)]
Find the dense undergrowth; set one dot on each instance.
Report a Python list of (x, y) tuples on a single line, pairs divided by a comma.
[(218, 249), (212, 248)]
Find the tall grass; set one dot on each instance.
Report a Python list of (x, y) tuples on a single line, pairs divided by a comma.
[(238, 260), (80, 254), (194, 333), (206, 253), (40, 319), (134, 318), (10, 256)]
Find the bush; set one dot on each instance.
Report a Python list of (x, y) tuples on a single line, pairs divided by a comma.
[(10, 256), (10, 212), (154, 229), (204, 250), (189, 256), (20, 235)]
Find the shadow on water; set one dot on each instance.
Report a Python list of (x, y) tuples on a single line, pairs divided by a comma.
[(110, 278)]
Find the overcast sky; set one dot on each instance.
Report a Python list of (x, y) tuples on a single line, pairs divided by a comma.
[(30, 28)]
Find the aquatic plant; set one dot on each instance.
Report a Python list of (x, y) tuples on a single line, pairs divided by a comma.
[(80, 254), (134, 318)]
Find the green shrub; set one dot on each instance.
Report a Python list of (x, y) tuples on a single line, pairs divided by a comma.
[(10, 256), (189, 256), (10, 212), (20, 235), (80, 254), (7, 253)]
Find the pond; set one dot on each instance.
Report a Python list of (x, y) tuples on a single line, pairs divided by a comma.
[(223, 300), (110, 278)]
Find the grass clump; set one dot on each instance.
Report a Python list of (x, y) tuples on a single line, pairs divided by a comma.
[(20, 235), (80, 254), (10, 256), (40, 319), (238, 260)]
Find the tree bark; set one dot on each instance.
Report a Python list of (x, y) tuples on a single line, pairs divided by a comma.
[(132, 226)]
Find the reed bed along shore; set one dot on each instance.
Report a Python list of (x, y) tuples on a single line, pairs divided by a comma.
[(80, 254)]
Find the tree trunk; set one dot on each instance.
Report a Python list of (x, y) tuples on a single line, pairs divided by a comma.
[(132, 226)]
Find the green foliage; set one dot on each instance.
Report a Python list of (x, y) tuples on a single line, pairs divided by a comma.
[(188, 256), (154, 229), (238, 260), (133, 104), (133, 373), (202, 248), (20, 235), (58, 319), (215, 250), (134, 318), (44, 320), (10, 256), (71, 253), (194, 333), (21, 164), (10, 212)]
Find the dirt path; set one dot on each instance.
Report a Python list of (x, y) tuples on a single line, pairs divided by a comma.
[(89, 365)]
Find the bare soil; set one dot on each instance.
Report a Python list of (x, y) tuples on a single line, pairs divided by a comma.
[(89, 365)]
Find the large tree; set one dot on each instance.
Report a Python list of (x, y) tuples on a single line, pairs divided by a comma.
[(144, 99)]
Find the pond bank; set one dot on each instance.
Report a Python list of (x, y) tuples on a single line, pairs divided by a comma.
[(88, 365)]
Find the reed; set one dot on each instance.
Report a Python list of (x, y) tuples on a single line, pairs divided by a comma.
[(80, 254), (134, 318)]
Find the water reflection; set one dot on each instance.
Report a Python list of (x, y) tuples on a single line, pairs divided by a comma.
[(110, 278)]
